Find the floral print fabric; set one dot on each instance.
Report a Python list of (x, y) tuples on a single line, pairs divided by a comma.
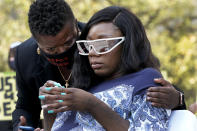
[(139, 112), (141, 115)]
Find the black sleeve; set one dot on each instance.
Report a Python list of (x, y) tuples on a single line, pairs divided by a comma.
[(26, 104), (182, 107)]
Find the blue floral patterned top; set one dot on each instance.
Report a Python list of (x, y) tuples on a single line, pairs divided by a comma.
[(127, 97)]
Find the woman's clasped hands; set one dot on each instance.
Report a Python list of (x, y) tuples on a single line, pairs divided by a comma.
[(56, 98)]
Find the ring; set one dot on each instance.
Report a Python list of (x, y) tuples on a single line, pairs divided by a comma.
[(64, 107), (44, 106), (62, 89), (46, 85), (57, 97)]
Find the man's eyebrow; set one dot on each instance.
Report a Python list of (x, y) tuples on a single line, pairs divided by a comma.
[(68, 40), (45, 47), (70, 37), (51, 47)]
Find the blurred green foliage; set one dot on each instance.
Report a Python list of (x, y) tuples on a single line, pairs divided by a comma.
[(171, 26)]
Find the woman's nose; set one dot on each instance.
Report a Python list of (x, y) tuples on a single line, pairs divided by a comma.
[(92, 51)]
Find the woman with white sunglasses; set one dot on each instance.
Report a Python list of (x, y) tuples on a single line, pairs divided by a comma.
[(113, 68)]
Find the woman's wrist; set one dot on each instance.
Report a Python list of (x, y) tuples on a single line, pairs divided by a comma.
[(93, 103)]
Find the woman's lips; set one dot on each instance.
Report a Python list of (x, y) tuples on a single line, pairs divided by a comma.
[(96, 65)]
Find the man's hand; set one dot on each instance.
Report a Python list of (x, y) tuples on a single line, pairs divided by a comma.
[(193, 108), (164, 96), (22, 122), (38, 129)]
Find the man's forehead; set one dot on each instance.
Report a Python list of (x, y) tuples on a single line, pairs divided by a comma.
[(66, 33)]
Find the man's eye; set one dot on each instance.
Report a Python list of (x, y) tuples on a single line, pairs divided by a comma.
[(69, 43), (50, 49)]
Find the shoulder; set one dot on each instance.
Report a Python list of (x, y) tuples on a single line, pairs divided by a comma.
[(147, 74), (139, 80), (26, 53), (144, 79), (26, 56), (28, 46), (27, 50), (150, 73)]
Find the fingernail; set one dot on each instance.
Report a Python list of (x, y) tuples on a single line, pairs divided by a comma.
[(50, 111), (62, 86), (60, 101), (148, 98), (57, 84), (63, 94), (42, 97), (48, 88), (148, 93), (156, 78)]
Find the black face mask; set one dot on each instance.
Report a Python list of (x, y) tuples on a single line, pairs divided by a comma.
[(64, 59)]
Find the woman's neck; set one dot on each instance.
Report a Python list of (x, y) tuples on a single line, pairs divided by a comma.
[(114, 76)]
